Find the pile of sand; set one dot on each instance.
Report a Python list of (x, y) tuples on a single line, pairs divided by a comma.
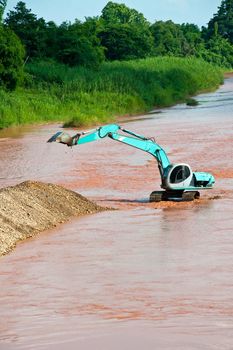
[(31, 207)]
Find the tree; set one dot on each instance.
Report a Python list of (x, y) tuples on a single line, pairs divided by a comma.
[(222, 22), (3, 4), (169, 39), (50, 38), (218, 51), (11, 59), (114, 13), (78, 44), (124, 42), (124, 33), (194, 39), (29, 29)]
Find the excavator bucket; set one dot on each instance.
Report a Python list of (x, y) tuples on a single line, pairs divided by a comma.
[(55, 136), (64, 138)]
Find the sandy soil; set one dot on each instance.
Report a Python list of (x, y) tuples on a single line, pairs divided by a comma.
[(31, 207)]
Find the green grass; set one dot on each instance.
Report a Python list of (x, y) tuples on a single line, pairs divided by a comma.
[(79, 96)]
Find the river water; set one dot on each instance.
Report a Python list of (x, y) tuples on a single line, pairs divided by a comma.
[(152, 276)]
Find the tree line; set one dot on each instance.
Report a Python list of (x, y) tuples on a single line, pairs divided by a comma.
[(119, 33)]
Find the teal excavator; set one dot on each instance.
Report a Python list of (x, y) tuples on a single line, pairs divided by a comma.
[(178, 181)]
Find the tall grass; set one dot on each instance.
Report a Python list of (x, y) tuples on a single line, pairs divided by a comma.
[(80, 96)]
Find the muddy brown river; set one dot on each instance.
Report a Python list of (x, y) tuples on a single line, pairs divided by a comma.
[(145, 276)]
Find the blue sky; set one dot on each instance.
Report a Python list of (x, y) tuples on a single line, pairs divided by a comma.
[(180, 11)]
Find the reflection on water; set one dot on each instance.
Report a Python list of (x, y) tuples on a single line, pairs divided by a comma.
[(143, 276), (16, 131), (221, 99)]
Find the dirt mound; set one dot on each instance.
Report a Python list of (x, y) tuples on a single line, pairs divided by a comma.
[(31, 207)]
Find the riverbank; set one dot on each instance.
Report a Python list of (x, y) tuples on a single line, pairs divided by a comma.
[(83, 97), (228, 74), (31, 207)]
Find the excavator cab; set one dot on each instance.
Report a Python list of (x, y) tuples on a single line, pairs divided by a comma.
[(179, 174)]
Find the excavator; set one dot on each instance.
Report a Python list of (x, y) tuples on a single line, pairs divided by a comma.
[(178, 181)]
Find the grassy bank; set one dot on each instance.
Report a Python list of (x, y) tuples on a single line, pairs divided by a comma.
[(79, 96)]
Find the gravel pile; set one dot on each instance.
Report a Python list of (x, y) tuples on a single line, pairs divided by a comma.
[(31, 207)]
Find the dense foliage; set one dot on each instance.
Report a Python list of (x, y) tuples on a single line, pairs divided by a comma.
[(11, 59), (11, 55), (31, 31), (222, 22), (2, 8), (113, 64), (78, 45), (121, 33)]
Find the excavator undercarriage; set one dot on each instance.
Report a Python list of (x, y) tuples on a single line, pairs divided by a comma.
[(178, 196)]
